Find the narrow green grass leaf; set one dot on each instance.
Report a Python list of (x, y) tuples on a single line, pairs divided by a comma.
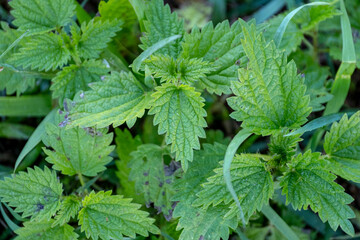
[(149, 51), (35, 138), (281, 30), (229, 155), (279, 223), (15, 130), (30, 106), (8, 221), (318, 123), (13, 44), (81, 14), (269, 10)]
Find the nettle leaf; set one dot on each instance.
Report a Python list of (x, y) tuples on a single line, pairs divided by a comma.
[(151, 179), (174, 70), (77, 150), (179, 112), (198, 222), (43, 52), (44, 231), (251, 180), (95, 36), (125, 145), (283, 148), (160, 23), (111, 217), (118, 9), (119, 98), (77, 77), (315, 79), (9, 80), (270, 95), (35, 193), (220, 46), (42, 15), (308, 182), (342, 144), (69, 208), (309, 17)]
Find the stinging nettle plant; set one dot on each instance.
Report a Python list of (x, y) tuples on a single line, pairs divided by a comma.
[(181, 172)]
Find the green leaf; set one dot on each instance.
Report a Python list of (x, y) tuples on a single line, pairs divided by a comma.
[(111, 217), (118, 9), (181, 70), (69, 208), (220, 46), (283, 148), (43, 231), (40, 16), (160, 24), (125, 144), (10, 80), (342, 144), (151, 179), (270, 95), (179, 112), (196, 221), (77, 77), (15, 131), (308, 182), (95, 36), (315, 79), (35, 138), (293, 35), (43, 52), (77, 150), (30, 105), (35, 193), (119, 98), (251, 180)]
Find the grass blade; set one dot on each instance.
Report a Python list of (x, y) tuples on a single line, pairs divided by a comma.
[(229, 155), (147, 53), (35, 138), (8, 221), (15, 130), (25, 106), (219, 10), (269, 10), (319, 123), (281, 30), (279, 223), (342, 81), (13, 44)]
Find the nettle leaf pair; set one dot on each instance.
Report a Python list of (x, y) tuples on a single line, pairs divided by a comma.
[(57, 44), (270, 100), (38, 194)]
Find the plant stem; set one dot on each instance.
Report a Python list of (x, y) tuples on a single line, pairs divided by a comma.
[(81, 179)]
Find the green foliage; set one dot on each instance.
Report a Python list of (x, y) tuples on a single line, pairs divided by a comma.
[(252, 182), (43, 231), (220, 46), (12, 81), (77, 150), (40, 16), (179, 113), (75, 78), (35, 193), (342, 144), (44, 52), (118, 9), (308, 182), (111, 217), (125, 144), (152, 177), (283, 148), (181, 70), (161, 23), (195, 220), (270, 95), (69, 208), (119, 98), (94, 37)]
